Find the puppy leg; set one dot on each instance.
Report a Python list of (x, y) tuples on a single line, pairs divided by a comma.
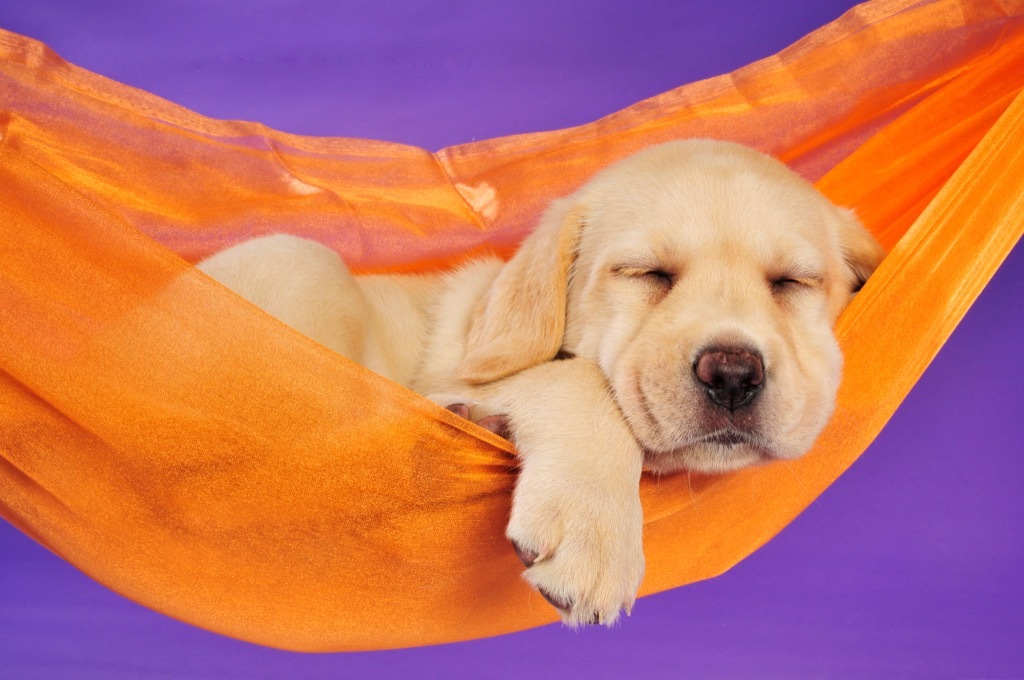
[(300, 282), (576, 519)]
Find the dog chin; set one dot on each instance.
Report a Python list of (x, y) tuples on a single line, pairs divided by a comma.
[(717, 454)]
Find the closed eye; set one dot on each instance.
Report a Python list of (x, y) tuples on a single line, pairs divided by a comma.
[(784, 285), (780, 285), (660, 277)]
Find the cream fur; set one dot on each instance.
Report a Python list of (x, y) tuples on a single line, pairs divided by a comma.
[(676, 249)]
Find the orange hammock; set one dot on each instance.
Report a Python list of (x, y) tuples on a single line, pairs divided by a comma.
[(193, 454)]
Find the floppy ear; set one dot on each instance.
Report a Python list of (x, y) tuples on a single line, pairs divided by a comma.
[(861, 252), (520, 321)]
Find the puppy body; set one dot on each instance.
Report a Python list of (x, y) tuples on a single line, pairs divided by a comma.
[(381, 322), (693, 287)]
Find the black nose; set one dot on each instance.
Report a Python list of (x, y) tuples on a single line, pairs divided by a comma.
[(733, 376)]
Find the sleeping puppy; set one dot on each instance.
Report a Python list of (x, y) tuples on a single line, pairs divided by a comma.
[(675, 313)]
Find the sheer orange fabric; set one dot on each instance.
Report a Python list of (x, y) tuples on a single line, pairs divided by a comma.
[(186, 450)]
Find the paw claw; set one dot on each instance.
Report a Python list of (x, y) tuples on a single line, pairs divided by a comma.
[(497, 424), (555, 602), (527, 557), (461, 410)]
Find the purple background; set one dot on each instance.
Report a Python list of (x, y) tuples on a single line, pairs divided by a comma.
[(909, 566)]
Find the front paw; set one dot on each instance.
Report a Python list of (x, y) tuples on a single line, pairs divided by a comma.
[(582, 547), (467, 408)]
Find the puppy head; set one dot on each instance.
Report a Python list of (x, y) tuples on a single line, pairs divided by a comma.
[(704, 278)]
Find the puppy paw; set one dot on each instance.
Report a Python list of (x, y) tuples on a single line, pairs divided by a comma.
[(470, 410), (582, 548)]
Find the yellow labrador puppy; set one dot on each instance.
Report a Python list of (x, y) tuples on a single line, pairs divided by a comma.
[(674, 313)]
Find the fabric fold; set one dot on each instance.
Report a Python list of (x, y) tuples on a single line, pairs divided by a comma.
[(195, 455)]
